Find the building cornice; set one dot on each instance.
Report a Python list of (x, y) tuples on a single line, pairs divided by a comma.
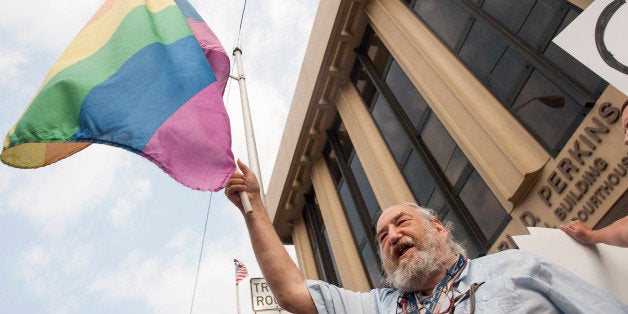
[(339, 25)]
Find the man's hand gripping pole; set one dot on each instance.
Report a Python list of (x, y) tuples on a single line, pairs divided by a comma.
[(246, 203)]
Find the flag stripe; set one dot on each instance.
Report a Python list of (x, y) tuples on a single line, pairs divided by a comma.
[(110, 112), (34, 155), (29, 155), (61, 96), (191, 120), (99, 30)]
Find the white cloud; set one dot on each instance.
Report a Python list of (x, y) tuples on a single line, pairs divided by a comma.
[(5, 178), (182, 239), (156, 281), (55, 260), (11, 63), (165, 283), (35, 259), (53, 272), (54, 197), (45, 25), (79, 258), (133, 197)]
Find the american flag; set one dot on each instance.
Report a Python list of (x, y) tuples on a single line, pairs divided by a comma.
[(241, 271)]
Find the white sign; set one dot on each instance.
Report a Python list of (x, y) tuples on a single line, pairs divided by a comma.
[(261, 296), (597, 38)]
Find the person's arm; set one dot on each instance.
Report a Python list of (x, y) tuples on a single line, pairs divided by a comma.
[(284, 278), (613, 234)]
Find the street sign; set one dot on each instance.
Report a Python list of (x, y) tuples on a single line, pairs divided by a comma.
[(262, 298)]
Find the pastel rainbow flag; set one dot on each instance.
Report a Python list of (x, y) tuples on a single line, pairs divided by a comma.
[(144, 75)]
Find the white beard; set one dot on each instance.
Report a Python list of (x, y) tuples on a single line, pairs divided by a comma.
[(417, 268)]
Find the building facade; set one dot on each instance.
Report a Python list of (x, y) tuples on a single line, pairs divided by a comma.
[(462, 106)]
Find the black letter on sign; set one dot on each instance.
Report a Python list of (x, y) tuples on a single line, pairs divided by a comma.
[(600, 29)]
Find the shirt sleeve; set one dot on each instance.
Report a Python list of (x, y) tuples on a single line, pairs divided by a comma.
[(331, 299)]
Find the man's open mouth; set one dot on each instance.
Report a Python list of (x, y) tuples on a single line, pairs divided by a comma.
[(402, 250)]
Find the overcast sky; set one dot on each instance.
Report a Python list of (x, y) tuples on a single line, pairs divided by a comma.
[(105, 231)]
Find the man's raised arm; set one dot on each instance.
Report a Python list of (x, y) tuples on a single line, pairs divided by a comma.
[(284, 278)]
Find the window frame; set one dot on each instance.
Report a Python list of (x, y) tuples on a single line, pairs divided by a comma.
[(535, 60)]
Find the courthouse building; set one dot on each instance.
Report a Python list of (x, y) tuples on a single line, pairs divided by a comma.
[(462, 106)]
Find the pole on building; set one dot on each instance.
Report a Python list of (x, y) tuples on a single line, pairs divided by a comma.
[(251, 147)]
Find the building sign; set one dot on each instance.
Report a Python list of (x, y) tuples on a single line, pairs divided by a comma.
[(261, 296), (586, 178), (582, 180), (597, 39)]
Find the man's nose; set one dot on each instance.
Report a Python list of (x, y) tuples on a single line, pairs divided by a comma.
[(394, 235)]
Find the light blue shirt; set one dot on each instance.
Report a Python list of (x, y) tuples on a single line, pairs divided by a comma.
[(515, 282)]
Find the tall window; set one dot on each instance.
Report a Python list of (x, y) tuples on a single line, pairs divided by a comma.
[(436, 170), (507, 45), (357, 197), (319, 240)]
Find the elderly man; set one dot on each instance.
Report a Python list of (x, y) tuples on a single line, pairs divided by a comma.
[(425, 269)]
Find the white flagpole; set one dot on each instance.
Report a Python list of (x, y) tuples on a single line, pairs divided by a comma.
[(238, 297), (251, 147)]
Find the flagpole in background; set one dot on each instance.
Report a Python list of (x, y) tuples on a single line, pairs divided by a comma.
[(240, 273), (238, 294)]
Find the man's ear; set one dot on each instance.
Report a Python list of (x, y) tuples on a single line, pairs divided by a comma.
[(440, 228)]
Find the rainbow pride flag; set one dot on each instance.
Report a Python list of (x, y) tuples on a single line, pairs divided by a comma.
[(144, 75)]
